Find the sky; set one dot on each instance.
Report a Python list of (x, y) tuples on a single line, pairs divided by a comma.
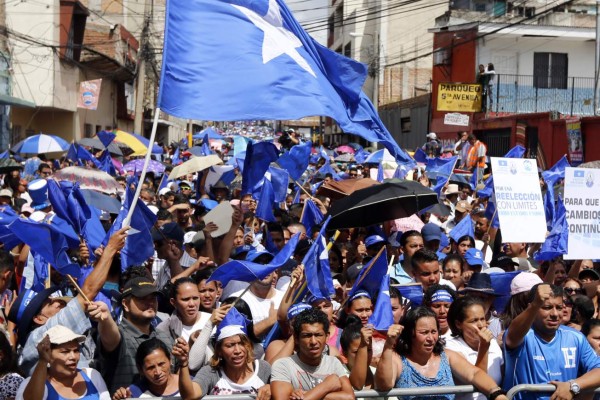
[(312, 12)]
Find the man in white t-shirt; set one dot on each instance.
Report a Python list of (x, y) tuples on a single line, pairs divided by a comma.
[(262, 298)]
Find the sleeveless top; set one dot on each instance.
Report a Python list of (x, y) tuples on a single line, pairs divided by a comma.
[(91, 393), (411, 378)]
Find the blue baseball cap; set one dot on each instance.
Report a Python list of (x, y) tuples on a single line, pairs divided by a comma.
[(254, 254), (431, 231), (474, 257), (373, 239)]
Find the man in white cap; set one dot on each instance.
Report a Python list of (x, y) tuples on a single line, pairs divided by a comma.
[(432, 147)]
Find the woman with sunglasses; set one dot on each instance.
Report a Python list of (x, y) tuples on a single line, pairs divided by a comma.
[(573, 286)]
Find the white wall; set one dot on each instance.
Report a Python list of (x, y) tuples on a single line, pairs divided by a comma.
[(33, 65), (514, 55)]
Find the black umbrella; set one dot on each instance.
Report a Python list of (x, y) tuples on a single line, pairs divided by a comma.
[(97, 144), (440, 210), (379, 203), (101, 201), (8, 164)]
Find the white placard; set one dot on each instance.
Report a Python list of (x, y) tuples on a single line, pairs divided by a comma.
[(582, 203), (456, 119), (221, 216), (519, 200)]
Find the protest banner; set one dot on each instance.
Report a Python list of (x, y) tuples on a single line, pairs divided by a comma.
[(582, 204), (519, 200), (462, 97)]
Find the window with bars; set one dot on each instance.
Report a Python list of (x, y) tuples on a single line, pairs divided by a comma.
[(550, 70)]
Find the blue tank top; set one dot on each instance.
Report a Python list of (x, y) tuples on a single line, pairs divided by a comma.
[(91, 393), (411, 378)]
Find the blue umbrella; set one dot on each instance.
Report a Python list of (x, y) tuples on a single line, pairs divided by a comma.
[(41, 143), (212, 134), (379, 156)]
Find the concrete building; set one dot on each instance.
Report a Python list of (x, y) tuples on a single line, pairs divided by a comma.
[(543, 57)]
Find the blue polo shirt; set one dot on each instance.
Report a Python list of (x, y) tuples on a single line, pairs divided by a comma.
[(567, 356)]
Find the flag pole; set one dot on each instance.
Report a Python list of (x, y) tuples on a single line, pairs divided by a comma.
[(138, 189)]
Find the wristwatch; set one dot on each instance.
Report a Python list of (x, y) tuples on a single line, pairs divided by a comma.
[(575, 388)]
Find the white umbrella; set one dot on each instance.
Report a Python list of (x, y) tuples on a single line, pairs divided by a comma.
[(41, 143), (194, 164)]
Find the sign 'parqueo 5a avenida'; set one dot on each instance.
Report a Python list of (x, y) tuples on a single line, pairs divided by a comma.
[(465, 97)]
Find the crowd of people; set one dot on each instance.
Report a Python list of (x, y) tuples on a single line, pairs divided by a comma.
[(165, 328)]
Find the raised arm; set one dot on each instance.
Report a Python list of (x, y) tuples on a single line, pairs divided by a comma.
[(389, 367), (227, 243), (522, 323), (94, 282), (188, 389), (358, 375)]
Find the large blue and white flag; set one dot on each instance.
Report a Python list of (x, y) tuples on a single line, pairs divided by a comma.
[(254, 51)]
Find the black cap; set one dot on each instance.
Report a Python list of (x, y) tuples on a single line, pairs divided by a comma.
[(139, 287), (503, 262), (170, 231)]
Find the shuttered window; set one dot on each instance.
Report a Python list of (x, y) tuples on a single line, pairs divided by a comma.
[(550, 70)]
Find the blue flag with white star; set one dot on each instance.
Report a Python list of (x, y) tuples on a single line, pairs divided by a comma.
[(272, 68)]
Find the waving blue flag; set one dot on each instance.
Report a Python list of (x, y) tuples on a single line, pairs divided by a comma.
[(420, 156), (360, 156), (442, 168), (78, 153), (138, 246), (272, 68), (247, 271), (401, 172), (106, 137), (412, 292), (501, 285), (296, 160), (380, 175), (557, 242), (516, 152), (316, 267), (47, 241), (106, 163), (256, 164), (383, 317), (491, 214), (279, 179), (311, 216), (552, 176), (328, 169), (370, 276), (264, 209), (175, 160), (464, 227), (8, 215)]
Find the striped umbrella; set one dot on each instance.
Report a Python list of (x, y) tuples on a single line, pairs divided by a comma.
[(41, 143)]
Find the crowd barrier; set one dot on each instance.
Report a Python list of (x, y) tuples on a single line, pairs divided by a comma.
[(422, 391)]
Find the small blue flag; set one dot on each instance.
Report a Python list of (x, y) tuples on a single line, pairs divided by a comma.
[(420, 156), (106, 137), (316, 266), (414, 293), (247, 271), (361, 156), (47, 241), (175, 160), (442, 168), (491, 214), (106, 163), (516, 152), (280, 180), (296, 160), (552, 176), (311, 216), (296, 199), (464, 227), (328, 169), (501, 285), (557, 242), (258, 158), (383, 316), (8, 215), (139, 245), (264, 208), (370, 276), (488, 189)]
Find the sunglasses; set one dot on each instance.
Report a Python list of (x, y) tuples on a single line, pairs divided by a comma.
[(572, 291)]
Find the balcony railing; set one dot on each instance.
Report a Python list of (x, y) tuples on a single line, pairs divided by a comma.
[(521, 94)]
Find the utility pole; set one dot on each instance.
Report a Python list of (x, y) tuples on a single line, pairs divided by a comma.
[(138, 123)]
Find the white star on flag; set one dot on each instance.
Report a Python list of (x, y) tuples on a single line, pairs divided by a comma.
[(277, 40)]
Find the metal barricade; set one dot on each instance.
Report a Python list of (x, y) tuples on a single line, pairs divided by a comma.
[(421, 391), (536, 389)]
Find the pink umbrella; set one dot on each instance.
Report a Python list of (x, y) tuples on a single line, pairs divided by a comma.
[(345, 149), (408, 224), (118, 165)]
